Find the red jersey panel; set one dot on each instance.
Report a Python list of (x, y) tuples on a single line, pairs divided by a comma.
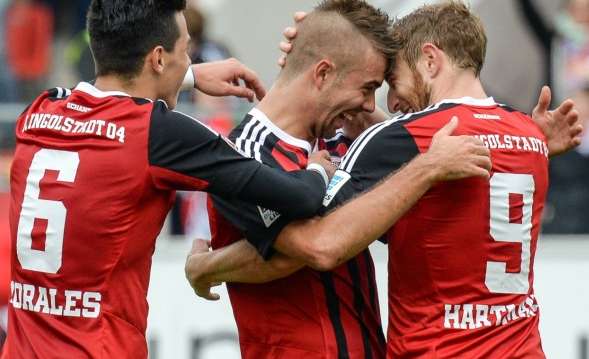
[(461, 260), (308, 314), (92, 180)]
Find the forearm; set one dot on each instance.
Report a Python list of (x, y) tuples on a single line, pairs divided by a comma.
[(239, 262), (324, 243)]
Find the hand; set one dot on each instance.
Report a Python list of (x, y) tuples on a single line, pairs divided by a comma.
[(222, 78), (200, 249), (323, 159), (562, 127), (457, 157), (289, 34)]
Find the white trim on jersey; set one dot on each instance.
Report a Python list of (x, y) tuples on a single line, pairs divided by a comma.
[(353, 153), (260, 116), (244, 139), (93, 91)]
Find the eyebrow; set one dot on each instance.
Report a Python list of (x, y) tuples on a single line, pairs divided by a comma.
[(374, 83)]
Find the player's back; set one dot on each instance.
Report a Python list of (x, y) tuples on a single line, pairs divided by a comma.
[(461, 261), (84, 218)]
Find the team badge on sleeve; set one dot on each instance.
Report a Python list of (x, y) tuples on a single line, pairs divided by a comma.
[(339, 179), (268, 216)]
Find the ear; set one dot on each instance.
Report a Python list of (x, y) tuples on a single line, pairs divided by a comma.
[(323, 72), (156, 59), (432, 59)]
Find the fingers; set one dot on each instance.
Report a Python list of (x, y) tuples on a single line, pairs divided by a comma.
[(544, 100), (253, 82), (572, 117), (448, 129), (282, 61), (285, 47), (207, 294), (200, 246), (566, 107), (299, 16), (324, 154), (290, 33)]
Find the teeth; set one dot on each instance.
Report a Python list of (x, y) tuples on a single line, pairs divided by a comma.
[(347, 116)]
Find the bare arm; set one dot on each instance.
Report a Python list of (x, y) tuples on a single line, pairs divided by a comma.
[(324, 243), (238, 262)]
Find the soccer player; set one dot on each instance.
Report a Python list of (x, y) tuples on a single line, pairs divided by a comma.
[(455, 290), (327, 83), (93, 177)]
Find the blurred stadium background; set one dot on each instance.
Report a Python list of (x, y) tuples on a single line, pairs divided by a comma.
[(531, 43)]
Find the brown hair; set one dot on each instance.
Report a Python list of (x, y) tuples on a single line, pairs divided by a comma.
[(449, 25), (337, 29)]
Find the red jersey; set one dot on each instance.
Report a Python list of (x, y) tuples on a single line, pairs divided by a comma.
[(92, 180), (308, 314), (461, 260)]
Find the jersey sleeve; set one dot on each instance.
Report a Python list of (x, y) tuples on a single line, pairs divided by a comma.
[(260, 226), (370, 159), (379, 151), (184, 154)]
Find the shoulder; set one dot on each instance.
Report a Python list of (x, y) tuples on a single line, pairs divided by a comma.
[(180, 124)]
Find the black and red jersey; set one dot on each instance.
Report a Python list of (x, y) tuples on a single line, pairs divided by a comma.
[(308, 314), (92, 180), (461, 260)]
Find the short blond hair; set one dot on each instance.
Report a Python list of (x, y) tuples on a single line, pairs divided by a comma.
[(336, 29), (451, 26)]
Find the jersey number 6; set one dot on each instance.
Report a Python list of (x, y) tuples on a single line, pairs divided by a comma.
[(48, 260)]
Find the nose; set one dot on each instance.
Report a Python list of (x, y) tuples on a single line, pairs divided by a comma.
[(369, 104), (393, 103)]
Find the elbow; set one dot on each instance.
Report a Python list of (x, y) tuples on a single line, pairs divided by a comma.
[(321, 254), (312, 243), (323, 263), (323, 260)]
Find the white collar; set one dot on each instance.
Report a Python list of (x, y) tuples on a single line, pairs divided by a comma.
[(291, 140), (470, 101), (93, 91)]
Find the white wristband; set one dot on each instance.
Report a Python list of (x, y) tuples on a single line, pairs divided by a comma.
[(189, 82), (318, 168)]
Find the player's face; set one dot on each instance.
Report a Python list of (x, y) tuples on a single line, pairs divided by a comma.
[(176, 62), (407, 90), (353, 92)]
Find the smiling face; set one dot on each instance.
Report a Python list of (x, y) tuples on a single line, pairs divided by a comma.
[(351, 92), (407, 90)]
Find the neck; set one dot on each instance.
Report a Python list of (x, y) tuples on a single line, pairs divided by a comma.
[(457, 84), (136, 87), (287, 107)]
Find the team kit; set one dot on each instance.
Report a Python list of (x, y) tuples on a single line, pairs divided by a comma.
[(96, 169)]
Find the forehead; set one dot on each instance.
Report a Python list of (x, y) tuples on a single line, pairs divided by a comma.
[(371, 66), (401, 68)]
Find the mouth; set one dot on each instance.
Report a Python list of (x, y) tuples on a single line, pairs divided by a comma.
[(345, 116)]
